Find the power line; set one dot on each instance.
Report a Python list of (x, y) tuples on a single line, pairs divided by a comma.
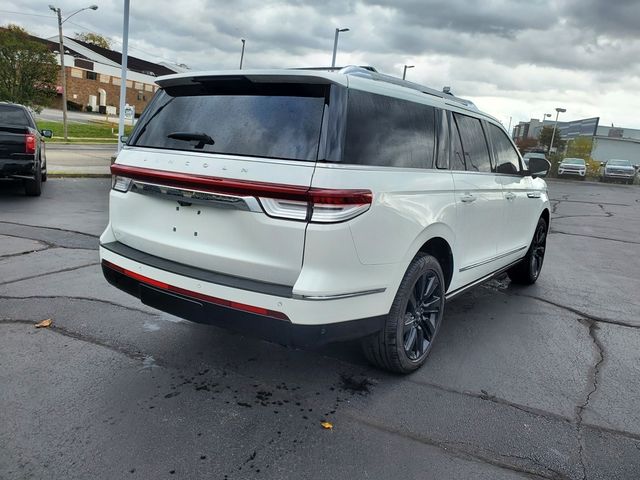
[(28, 14)]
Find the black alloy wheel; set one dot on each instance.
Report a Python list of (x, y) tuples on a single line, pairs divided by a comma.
[(539, 245), (528, 270), (422, 316), (413, 322)]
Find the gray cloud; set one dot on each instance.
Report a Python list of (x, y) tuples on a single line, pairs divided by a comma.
[(541, 50)]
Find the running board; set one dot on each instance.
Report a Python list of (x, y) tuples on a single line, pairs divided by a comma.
[(486, 278)]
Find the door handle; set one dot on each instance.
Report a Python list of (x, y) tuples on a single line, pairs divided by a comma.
[(533, 194), (509, 195), (467, 198)]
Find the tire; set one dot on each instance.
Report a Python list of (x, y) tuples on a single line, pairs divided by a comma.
[(528, 270), (33, 187), (44, 171), (403, 344)]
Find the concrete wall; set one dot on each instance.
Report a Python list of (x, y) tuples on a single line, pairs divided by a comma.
[(605, 149)]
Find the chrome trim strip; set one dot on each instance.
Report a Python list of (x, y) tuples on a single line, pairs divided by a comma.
[(219, 200), (339, 295), (461, 290), (493, 259)]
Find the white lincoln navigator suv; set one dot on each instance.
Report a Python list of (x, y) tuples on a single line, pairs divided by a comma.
[(307, 206)]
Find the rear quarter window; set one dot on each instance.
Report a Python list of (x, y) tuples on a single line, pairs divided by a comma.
[(387, 131)]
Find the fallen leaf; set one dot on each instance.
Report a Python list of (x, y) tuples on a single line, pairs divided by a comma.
[(327, 425), (44, 323)]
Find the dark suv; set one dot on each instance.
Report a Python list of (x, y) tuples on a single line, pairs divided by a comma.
[(22, 150)]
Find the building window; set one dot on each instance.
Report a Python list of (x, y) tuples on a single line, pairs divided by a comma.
[(91, 75), (140, 96)]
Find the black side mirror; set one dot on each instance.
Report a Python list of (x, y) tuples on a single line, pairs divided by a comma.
[(124, 138), (602, 164), (47, 133), (539, 167)]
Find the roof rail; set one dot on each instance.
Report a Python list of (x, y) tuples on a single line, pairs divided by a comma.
[(373, 74), (337, 69)]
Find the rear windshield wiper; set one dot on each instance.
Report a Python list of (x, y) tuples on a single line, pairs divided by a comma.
[(202, 138)]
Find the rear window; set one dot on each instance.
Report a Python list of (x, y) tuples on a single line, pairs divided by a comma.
[(10, 115), (236, 117), (387, 131)]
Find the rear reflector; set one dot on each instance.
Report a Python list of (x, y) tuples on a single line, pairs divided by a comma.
[(30, 143), (291, 202), (195, 295)]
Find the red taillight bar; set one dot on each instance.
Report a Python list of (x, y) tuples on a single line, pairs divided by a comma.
[(30, 143), (244, 187), (198, 296)]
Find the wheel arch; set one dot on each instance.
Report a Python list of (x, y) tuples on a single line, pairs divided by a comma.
[(436, 240), (546, 215)]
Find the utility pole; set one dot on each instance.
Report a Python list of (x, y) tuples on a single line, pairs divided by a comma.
[(63, 73), (242, 53), (555, 126), (123, 74), (335, 45), (404, 72), (63, 76)]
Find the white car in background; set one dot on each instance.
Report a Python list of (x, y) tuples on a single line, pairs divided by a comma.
[(575, 167), (310, 206)]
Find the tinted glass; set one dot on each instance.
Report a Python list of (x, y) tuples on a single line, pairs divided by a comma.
[(476, 150), (265, 120), (457, 154), (443, 138), (388, 132), (13, 115), (506, 156)]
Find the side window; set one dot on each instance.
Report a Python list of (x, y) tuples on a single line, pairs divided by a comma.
[(474, 142), (506, 157), (387, 131), (457, 153)]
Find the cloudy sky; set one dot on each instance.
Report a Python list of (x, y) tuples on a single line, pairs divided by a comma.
[(518, 58)]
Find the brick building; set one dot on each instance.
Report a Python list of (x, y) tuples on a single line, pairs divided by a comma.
[(94, 77)]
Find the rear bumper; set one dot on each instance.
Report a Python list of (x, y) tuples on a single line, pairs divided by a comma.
[(200, 310), (253, 308), (17, 168)]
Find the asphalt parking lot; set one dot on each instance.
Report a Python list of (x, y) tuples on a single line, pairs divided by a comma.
[(537, 382)]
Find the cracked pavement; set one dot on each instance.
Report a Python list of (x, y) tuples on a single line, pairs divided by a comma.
[(535, 382)]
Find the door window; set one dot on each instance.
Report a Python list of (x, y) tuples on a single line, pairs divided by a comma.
[(507, 159), (476, 150)]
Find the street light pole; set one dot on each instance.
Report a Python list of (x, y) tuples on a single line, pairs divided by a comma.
[(242, 53), (123, 74), (553, 134), (542, 122), (335, 45), (404, 72), (63, 73)]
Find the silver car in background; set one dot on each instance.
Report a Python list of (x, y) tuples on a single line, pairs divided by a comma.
[(575, 167), (617, 169)]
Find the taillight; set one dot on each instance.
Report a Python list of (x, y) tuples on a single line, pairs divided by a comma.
[(30, 143), (320, 205), (291, 202), (121, 184)]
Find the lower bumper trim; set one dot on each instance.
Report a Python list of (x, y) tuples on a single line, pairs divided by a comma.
[(201, 309)]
